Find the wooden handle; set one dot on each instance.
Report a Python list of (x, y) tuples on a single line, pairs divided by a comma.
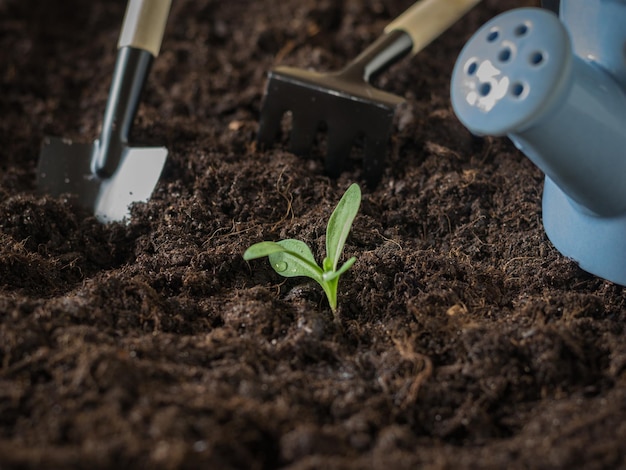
[(428, 19), (144, 24)]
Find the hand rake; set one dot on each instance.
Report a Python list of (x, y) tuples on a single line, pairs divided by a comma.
[(345, 100)]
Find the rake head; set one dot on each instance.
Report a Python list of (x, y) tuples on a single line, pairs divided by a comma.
[(346, 101), (350, 108)]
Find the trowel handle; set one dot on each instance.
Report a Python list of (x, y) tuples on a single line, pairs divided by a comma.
[(144, 24), (425, 20), (138, 45)]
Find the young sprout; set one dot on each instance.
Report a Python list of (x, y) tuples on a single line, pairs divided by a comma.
[(291, 258)]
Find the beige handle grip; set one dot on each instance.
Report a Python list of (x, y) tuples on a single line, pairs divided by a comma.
[(425, 20), (144, 24)]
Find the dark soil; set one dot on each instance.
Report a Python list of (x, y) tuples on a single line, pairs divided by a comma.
[(463, 340)]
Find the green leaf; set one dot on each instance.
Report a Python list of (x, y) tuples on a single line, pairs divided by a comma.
[(330, 275), (259, 250), (296, 259), (340, 223)]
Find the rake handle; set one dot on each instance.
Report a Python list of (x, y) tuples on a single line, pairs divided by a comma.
[(408, 34), (425, 20)]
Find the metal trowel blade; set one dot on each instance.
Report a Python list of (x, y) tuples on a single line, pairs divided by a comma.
[(65, 167)]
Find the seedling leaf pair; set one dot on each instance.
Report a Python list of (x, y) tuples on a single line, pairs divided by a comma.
[(291, 258)]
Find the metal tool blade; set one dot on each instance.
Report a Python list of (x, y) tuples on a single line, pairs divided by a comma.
[(65, 167)]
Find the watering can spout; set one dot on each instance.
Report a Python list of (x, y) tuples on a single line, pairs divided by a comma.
[(557, 89)]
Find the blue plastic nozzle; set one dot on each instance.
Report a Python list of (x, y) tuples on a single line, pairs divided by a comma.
[(560, 96)]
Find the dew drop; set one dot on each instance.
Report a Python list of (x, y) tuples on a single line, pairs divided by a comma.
[(281, 266)]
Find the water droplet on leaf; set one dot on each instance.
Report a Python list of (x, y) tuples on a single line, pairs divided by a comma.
[(281, 266)]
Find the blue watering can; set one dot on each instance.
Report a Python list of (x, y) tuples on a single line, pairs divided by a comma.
[(556, 86)]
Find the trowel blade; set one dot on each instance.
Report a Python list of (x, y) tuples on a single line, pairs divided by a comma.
[(65, 168)]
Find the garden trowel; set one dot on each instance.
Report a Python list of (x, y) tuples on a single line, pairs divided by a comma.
[(109, 174)]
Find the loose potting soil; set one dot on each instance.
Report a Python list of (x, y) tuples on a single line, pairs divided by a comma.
[(463, 339)]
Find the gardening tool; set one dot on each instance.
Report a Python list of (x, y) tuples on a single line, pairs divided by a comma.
[(345, 100), (109, 174), (557, 88)]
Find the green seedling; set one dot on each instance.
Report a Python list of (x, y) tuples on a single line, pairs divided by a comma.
[(292, 258)]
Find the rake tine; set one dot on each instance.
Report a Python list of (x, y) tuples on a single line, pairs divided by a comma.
[(374, 160), (338, 150), (269, 125), (303, 132)]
